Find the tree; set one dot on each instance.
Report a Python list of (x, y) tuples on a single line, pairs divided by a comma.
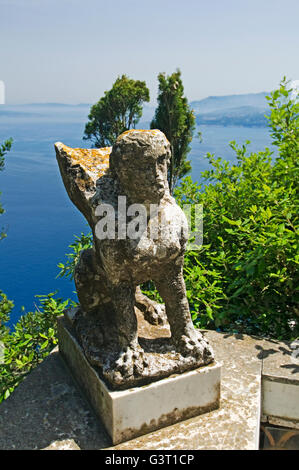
[(284, 129), (4, 148), (117, 111), (174, 117)]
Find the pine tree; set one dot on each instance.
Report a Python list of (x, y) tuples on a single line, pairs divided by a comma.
[(117, 111), (174, 117), (4, 148)]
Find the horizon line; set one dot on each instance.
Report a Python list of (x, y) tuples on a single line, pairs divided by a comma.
[(58, 103)]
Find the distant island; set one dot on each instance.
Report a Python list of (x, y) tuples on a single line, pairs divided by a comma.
[(246, 110)]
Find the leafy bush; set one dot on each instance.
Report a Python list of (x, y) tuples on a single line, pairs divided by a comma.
[(5, 308), (245, 277), (32, 339), (81, 243)]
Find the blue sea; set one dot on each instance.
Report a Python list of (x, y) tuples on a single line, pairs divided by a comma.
[(39, 219)]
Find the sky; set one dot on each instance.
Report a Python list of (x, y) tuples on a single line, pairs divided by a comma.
[(71, 51)]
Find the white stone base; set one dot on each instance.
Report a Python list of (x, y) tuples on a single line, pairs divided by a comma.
[(281, 399), (140, 410)]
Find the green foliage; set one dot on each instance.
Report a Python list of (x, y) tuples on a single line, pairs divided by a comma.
[(284, 124), (5, 308), (4, 148), (30, 342), (245, 277), (81, 243), (174, 117), (35, 334), (117, 111)]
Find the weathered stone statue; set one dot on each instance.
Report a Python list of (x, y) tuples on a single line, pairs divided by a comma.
[(109, 186)]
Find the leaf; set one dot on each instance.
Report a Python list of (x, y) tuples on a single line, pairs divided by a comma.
[(44, 345), (237, 292), (231, 222), (209, 312)]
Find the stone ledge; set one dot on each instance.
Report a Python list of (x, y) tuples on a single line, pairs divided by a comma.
[(280, 399), (284, 423)]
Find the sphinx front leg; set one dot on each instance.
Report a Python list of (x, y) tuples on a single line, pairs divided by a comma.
[(130, 360), (90, 281), (186, 338)]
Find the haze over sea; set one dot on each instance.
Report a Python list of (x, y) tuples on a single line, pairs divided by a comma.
[(39, 218)]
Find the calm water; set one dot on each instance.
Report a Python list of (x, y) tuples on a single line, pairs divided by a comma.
[(40, 220)]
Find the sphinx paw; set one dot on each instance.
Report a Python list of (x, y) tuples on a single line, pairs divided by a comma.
[(131, 361), (195, 345), (155, 314)]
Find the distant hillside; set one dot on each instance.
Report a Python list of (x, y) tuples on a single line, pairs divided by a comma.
[(232, 110), (216, 103), (54, 105)]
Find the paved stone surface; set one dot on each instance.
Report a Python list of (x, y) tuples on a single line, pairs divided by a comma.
[(47, 411), (67, 444), (280, 382), (235, 425)]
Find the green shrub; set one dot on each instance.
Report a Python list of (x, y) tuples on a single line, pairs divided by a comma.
[(81, 243), (32, 339), (245, 277)]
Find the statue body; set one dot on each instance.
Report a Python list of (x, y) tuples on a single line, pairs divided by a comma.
[(116, 183)]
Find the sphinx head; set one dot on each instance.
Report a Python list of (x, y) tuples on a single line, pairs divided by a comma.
[(140, 159)]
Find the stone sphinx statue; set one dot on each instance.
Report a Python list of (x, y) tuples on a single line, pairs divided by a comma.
[(111, 185)]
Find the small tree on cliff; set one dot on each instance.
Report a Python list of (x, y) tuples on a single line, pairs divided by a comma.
[(174, 117), (117, 111), (4, 148)]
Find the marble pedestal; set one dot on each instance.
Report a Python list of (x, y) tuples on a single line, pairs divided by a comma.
[(139, 410)]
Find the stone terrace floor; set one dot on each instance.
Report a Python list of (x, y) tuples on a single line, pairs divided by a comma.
[(260, 383)]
